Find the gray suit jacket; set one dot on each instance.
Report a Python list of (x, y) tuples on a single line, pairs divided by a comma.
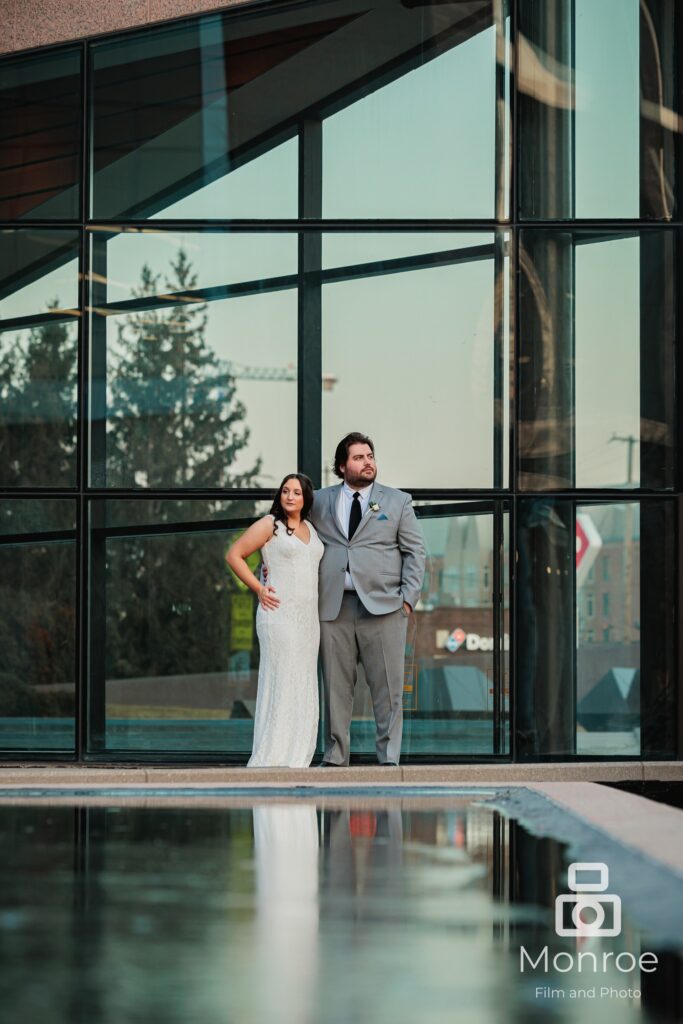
[(386, 555)]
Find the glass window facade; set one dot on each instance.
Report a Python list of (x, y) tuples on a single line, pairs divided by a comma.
[(226, 242), (597, 335), (595, 659), (173, 655), (38, 569), (41, 136), (193, 353), (39, 341), (207, 114), (427, 303), (598, 106)]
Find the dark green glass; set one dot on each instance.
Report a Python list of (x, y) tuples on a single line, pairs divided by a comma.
[(173, 650), (37, 624), (596, 639), (39, 330), (598, 117), (416, 320), (395, 110), (449, 699), (597, 319), (41, 99), (193, 359)]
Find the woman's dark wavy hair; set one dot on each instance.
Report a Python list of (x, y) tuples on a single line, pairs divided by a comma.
[(276, 508), (342, 452)]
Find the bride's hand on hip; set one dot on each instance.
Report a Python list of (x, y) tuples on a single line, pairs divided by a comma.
[(267, 598)]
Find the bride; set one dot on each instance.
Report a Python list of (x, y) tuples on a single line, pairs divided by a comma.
[(286, 719)]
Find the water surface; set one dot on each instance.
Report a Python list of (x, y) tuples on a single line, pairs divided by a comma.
[(319, 908)]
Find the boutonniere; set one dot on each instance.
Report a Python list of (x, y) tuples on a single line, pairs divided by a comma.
[(374, 507)]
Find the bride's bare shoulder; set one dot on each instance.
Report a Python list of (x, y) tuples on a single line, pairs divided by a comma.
[(260, 531)]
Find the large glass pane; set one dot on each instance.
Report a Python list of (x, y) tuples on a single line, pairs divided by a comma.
[(598, 108), (39, 327), (596, 368), (449, 692), (596, 637), (41, 100), (608, 629), (185, 122), (413, 130), (174, 654), (387, 110), (173, 648), (410, 339), (194, 359), (37, 624)]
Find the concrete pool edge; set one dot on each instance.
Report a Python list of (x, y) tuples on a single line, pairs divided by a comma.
[(42, 773), (653, 829)]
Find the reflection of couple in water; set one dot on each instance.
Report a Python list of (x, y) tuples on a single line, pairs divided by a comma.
[(347, 886), (344, 569)]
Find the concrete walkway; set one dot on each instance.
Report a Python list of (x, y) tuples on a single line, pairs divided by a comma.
[(498, 775)]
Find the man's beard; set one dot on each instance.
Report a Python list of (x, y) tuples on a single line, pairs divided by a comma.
[(360, 480)]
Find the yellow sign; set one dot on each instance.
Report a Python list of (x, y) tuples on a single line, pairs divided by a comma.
[(241, 622)]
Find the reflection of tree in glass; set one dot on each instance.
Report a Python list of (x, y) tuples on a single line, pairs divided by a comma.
[(173, 417), (174, 421), (38, 381), (37, 608), (37, 630), (168, 607)]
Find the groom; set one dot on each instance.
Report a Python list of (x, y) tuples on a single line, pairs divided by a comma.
[(370, 581)]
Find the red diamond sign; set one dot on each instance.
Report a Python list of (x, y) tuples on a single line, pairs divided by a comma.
[(588, 544)]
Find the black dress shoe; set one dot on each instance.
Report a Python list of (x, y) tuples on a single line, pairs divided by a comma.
[(329, 764), (388, 764)]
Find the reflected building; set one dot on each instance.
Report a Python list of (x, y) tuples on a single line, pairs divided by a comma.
[(228, 239)]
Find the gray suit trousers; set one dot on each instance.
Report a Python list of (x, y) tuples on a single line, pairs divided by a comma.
[(378, 642)]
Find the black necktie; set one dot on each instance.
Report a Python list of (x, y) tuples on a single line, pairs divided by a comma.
[(354, 518)]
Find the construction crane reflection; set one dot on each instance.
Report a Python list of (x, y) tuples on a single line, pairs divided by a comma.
[(239, 371)]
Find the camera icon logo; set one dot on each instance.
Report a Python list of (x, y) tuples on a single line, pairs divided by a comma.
[(583, 911)]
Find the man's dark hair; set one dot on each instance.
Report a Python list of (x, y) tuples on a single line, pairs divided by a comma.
[(342, 452)]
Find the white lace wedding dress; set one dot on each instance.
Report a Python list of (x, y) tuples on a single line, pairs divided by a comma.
[(286, 719)]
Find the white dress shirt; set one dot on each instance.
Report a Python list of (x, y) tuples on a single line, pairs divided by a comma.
[(344, 502)]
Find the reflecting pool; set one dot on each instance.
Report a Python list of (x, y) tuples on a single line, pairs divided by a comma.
[(310, 908)]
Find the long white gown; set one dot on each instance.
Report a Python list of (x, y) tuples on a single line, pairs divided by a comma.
[(286, 718), (285, 958)]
